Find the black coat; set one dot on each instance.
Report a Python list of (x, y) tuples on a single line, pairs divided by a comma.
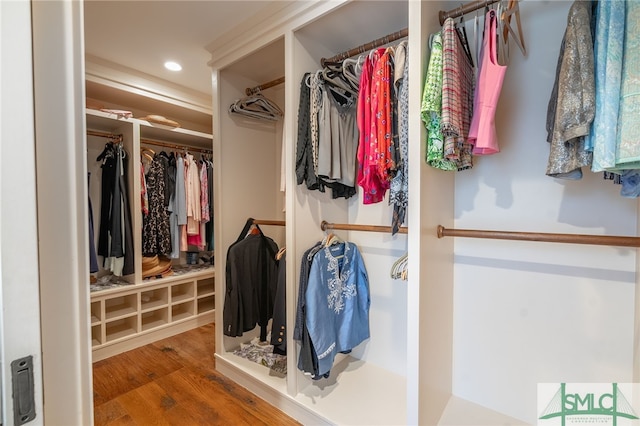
[(251, 283)]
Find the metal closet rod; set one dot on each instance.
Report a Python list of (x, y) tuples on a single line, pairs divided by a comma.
[(603, 240), (463, 10), (253, 90), (104, 135), (324, 225), (269, 222), (367, 46), (174, 146)]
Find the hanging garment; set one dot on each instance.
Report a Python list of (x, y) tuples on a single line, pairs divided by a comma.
[(93, 258), (279, 323), (373, 190), (337, 302), (608, 53), (482, 131), (128, 267), (305, 171), (307, 359), (156, 233), (338, 139), (209, 230), (572, 110), (628, 145), (115, 240), (251, 283), (399, 188), (108, 184), (457, 97), (383, 117), (431, 109)]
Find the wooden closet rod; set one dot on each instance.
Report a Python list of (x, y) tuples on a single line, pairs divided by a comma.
[(104, 135), (253, 90), (174, 146), (603, 240), (367, 46), (324, 225), (269, 222), (463, 10)]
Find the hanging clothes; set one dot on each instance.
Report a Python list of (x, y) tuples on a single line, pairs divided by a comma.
[(399, 188), (115, 239), (156, 227), (431, 109), (307, 359), (482, 131), (608, 54), (279, 323), (251, 283), (457, 97), (93, 258), (337, 302), (628, 146), (572, 105), (372, 188)]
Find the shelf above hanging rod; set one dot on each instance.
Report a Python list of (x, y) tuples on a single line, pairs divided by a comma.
[(324, 225), (269, 222), (367, 46), (253, 90), (603, 240), (463, 10)]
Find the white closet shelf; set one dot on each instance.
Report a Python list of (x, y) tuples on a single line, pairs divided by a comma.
[(462, 412), (131, 316)]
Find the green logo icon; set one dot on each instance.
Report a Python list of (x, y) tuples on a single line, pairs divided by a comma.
[(565, 404)]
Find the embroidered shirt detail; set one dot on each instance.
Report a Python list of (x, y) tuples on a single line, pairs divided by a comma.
[(328, 351), (339, 286)]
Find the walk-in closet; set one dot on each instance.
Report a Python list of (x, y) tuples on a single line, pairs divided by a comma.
[(149, 292), (480, 322)]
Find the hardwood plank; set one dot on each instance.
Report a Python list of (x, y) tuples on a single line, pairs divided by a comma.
[(174, 382), (129, 370)]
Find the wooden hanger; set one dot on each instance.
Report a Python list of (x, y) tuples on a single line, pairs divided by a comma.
[(513, 8), (147, 153)]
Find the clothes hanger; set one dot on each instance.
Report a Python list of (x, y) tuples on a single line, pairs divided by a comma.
[(502, 47), (257, 106), (280, 253), (513, 8), (461, 30)]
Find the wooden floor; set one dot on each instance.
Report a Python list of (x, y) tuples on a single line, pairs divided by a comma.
[(173, 382)]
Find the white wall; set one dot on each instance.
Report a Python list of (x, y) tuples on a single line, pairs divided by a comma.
[(528, 312)]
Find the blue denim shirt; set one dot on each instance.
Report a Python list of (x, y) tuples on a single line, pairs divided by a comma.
[(337, 300)]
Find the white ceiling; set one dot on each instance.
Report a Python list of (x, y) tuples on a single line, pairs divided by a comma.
[(143, 34)]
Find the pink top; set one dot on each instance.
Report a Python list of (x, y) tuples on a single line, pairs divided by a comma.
[(482, 132)]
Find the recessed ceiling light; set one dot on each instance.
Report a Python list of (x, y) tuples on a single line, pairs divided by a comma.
[(172, 66)]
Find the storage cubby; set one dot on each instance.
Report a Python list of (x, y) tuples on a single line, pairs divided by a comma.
[(96, 335), (96, 312), (121, 328), (182, 311), (155, 318), (205, 287), (206, 304), (149, 303), (121, 306), (182, 292), (154, 298)]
